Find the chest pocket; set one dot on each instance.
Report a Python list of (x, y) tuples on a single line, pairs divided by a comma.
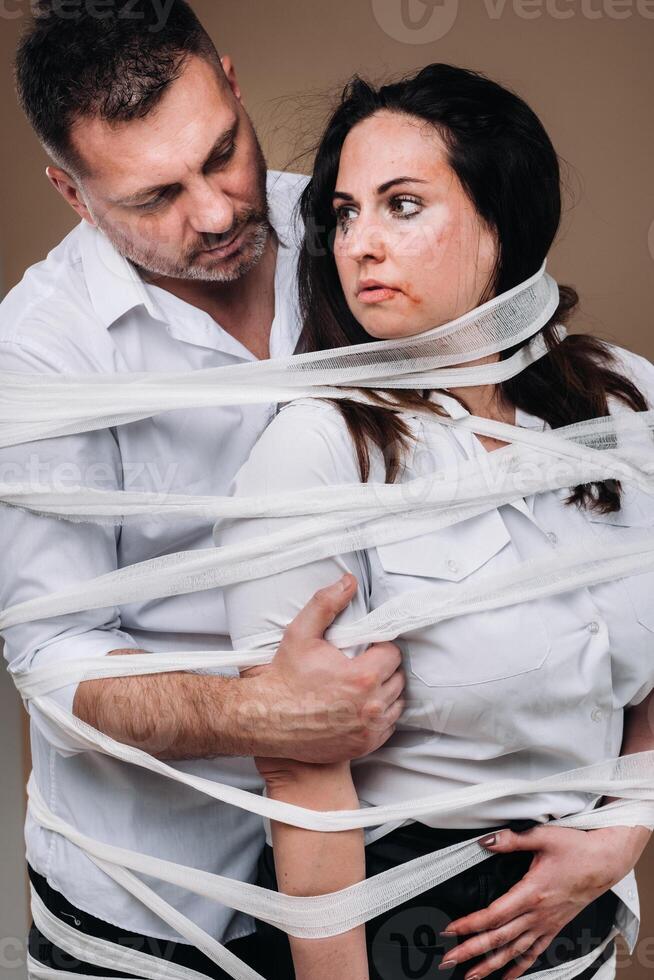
[(635, 518), (478, 647)]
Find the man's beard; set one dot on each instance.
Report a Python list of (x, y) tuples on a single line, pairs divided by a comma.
[(253, 224)]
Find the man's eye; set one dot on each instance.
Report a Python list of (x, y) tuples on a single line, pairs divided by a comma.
[(222, 158), (154, 203)]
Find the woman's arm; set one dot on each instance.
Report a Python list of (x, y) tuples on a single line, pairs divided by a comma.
[(638, 737), (305, 448), (312, 863)]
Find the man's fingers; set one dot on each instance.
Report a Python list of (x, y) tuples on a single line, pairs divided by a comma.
[(391, 689), (322, 609), (382, 658), (382, 738), (394, 713), (380, 719)]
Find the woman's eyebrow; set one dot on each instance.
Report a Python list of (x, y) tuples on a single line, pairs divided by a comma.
[(383, 187)]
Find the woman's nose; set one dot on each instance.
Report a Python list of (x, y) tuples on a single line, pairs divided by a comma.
[(366, 240)]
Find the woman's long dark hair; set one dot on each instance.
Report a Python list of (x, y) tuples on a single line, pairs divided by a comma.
[(508, 167)]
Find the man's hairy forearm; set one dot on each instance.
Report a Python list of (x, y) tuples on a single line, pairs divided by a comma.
[(177, 715)]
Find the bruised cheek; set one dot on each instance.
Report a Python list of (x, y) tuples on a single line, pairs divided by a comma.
[(427, 253)]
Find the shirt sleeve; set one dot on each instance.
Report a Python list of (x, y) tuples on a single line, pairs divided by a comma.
[(42, 555), (305, 446)]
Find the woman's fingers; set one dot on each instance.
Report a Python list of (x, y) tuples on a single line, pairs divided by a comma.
[(521, 898), (521, 947), (527, 959), (487, 941)]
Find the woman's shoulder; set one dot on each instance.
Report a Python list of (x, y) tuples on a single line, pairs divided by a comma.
[(306, 444), (312, 423)]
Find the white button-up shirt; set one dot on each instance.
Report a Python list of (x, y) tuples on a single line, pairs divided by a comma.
[(524, 691), (85, 309)]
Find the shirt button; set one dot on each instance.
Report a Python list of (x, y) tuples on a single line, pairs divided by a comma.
[(593, 627), (452, 565), (597, 714), (554, 538), (630, 894)]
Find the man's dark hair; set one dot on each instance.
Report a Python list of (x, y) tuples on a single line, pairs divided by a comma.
[(113, 62)]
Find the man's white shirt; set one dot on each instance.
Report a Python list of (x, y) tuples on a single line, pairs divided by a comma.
[(85, 309)]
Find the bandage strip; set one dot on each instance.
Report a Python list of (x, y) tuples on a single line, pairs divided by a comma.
[(66, 406), (618, 447)]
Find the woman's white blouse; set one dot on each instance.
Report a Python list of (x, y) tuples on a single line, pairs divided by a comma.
[(525, 691)]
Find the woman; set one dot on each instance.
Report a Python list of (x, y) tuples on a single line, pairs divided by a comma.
[(429, 197)]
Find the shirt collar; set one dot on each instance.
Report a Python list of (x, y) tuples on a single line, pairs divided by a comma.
[(114, 284), (456, 411), (452, 406)]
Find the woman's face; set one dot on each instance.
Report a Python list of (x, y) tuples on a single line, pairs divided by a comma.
[(411, 251)]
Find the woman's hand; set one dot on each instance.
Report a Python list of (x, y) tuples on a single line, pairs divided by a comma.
[(570, 869)]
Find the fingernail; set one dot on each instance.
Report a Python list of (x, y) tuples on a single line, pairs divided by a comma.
[(488, 840), (446, 964), (447, 932)]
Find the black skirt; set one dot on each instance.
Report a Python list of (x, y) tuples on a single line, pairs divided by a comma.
[(404, 943)]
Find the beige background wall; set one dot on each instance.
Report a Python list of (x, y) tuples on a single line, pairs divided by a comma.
[(586, 66)]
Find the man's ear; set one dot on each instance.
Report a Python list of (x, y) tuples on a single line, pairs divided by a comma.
[(67, 187), (230, 75)]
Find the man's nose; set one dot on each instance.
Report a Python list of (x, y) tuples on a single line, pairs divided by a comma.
[(211, 211)]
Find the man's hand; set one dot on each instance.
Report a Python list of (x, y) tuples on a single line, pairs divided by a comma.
[(312, 703), (570, 869)]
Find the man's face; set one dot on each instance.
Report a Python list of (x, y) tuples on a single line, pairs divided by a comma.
[(181, 192)]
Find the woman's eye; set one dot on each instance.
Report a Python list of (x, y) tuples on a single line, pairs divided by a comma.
[(405, 207), (344, 215)]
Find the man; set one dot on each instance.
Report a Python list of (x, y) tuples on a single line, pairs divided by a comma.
[(183, 259)]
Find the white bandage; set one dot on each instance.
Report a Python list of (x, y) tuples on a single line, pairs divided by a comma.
[(334, 520)]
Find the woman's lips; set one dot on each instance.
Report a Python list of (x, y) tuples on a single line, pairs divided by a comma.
[(377, 294)]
